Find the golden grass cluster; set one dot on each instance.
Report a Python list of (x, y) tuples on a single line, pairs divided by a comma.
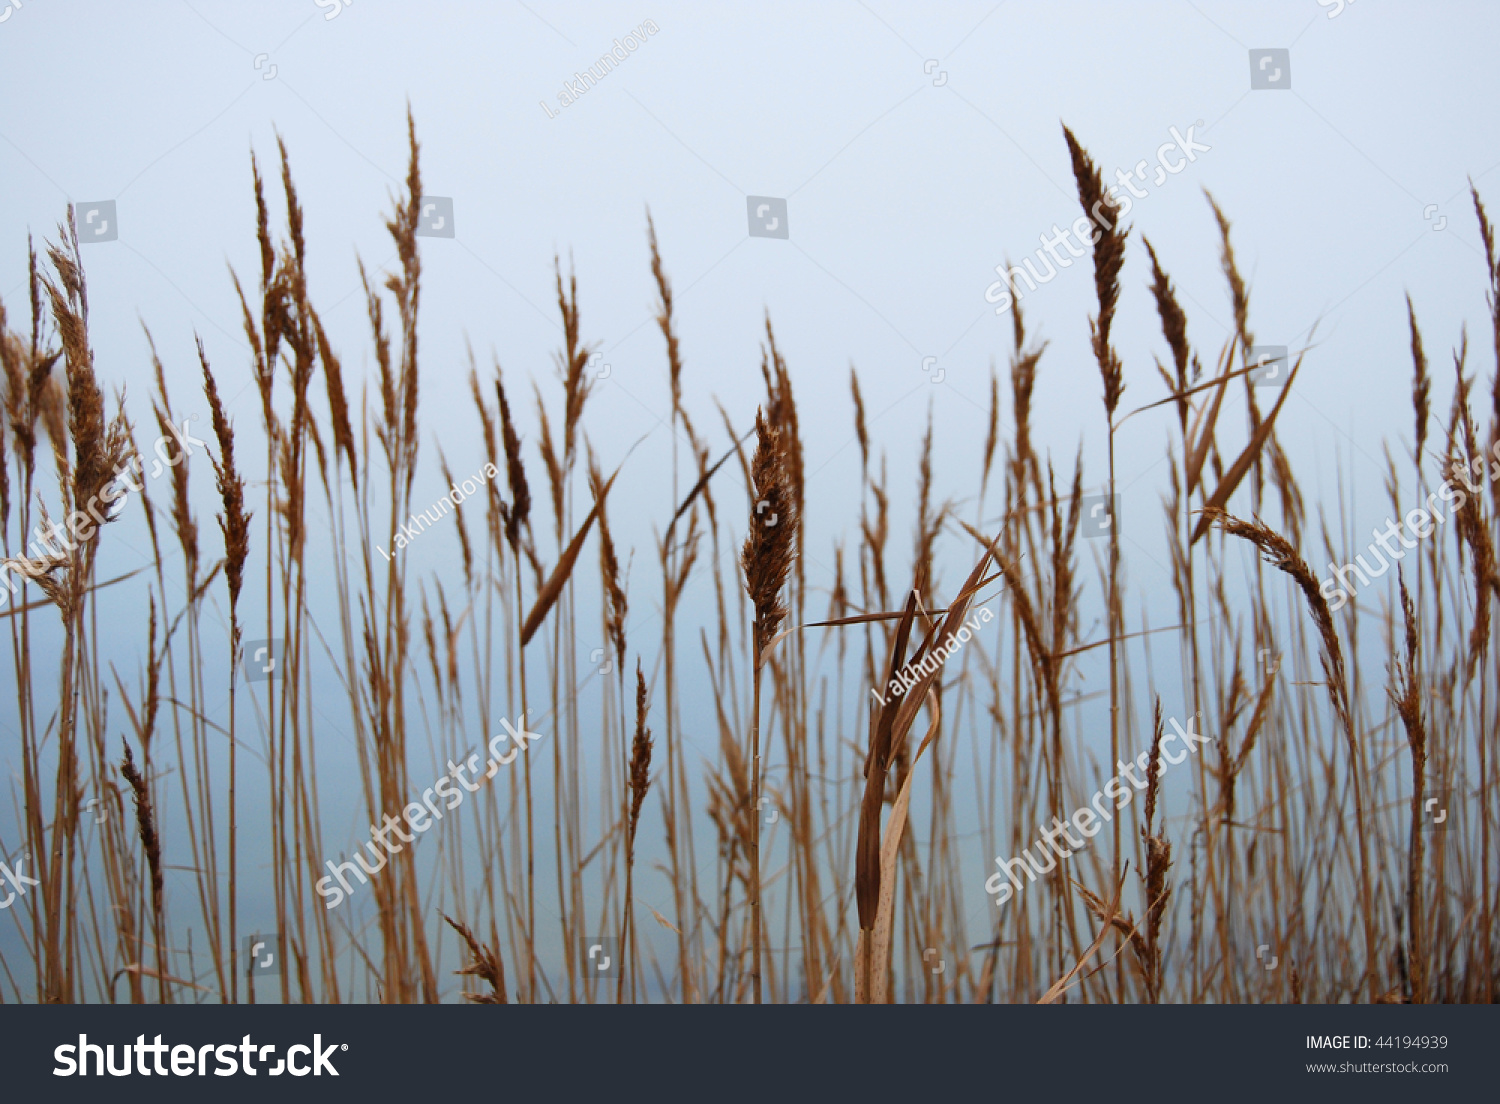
[(1303, 828)]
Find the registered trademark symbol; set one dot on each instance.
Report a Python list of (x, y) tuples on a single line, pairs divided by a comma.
[(345, 1046)]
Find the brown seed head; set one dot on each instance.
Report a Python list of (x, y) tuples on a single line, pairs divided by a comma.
[(1153, 767), (234, 522), (616, 607), (1492, 294), (485, 964), (1280, 553), (145, 820), (1109, 256), (519, 511), (555, 479), (767, 555), (572, 364), (1421, 383), (1173, 328), (640, 755), (664, 317)]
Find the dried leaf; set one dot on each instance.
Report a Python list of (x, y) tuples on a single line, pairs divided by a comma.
[(1238, 469), (548, 595)]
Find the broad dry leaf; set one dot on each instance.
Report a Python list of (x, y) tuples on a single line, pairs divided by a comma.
[(1238, 469), (890, 848), (549, 593)]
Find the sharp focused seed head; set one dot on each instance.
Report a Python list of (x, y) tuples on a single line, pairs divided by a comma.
[(767, 556), (1109, 256)]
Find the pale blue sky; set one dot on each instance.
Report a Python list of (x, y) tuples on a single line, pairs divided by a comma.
[(906, 184), (902, 196)]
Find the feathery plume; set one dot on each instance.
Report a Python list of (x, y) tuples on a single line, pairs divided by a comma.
[(640, 755), (1421, 383), (1109, 256), (485, 964), (767, 555), (1173, 328), (234, 522), (517, 515)]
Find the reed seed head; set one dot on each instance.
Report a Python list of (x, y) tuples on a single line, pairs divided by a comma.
[(767, 555)]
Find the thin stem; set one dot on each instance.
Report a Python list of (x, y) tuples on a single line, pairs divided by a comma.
[(755, 824)]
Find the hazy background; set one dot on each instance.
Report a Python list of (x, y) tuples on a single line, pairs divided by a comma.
[(904, 189)]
